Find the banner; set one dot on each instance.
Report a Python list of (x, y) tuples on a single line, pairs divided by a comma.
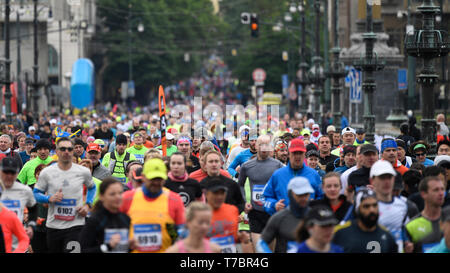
[(162, 117)]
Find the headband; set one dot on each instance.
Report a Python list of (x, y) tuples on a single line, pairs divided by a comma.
[(419, 146), (390, 143), (184, 140)]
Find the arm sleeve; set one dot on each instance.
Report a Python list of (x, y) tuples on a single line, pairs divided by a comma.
[(269, 197), (40, 196), (233, 165), (91, 194), (19, 231), (88, 237)]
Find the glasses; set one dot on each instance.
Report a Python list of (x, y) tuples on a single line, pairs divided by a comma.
[(63, 149), (421, 154)]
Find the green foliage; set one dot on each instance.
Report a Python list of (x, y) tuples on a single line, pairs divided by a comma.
[(172, 28)]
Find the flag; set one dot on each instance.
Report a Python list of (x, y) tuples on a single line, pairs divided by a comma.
[(162, 117)]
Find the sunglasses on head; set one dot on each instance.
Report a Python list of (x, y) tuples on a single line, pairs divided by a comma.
[(63, 149)]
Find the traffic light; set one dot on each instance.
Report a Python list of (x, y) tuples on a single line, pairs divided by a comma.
[(254, 26)]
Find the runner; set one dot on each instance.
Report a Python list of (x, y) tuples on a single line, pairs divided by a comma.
[(25, 155), (198, 223), (240, 146), (26, 175), (10, 225), (389, 153), (93, 153), (244, 156), (157, 214), (316, 232), (138, 149), (424, 230), (419, 150), (178, 180), (61, 186), (184, 146), (213, 163), (348, 159), (281, 152), (117, 161), (402, 149), (225, 218), (134, 176), (312, 158), (201, 174), (106, 230), (394, 211), (325, 151), (360, 177), (444, 245), (348, 138), (79, 148), (281, 226), (6, 149), (331, 186), (258, 171), (275, 193), (360, 137), (364, 235)]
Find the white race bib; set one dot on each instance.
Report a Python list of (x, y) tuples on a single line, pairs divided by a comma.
[(257, 194), (122, 247), (148, 236), (65, 210), (14, 206), (226, 244), (140, 158)]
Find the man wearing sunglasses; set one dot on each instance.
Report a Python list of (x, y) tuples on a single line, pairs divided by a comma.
[(419, 150), (61, 187)]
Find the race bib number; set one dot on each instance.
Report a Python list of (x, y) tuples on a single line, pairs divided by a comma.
[(257, 194), (291, 247), (149, 237), (65, 210), (398, 239), (426, 247), (122, 247), (14, 206), (226, 244), (122, 180), (140, 158)]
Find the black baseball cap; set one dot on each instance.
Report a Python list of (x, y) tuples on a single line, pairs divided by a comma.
[(214, 184), (360, 131), (321, 215), (121, 139), (312, 153), (9, 164), (368, 148)]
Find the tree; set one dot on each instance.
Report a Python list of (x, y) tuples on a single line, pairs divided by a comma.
[(172, 28)]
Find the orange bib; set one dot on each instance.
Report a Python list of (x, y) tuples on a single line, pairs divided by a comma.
[(148, 222)]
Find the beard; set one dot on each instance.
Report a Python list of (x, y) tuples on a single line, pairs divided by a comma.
[(370, 220)]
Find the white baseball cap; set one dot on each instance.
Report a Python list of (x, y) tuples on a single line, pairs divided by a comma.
[(53, 121), (382, 167), (348, 130), (169, 136), (31, 128), (300, 185)]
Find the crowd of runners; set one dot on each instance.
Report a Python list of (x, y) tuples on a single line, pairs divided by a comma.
[(101, 182)]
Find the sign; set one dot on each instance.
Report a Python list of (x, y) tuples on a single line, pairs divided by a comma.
[(162, 116), (354, 78), (259, 76), (131, 89), (284, 81), (402, 79)]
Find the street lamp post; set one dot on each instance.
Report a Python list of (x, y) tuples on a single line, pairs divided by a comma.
[(36, 64), (316, 73), (302, 78), (140, 28), (427, 44), (368, 65), (337, 71), (7, 80)]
